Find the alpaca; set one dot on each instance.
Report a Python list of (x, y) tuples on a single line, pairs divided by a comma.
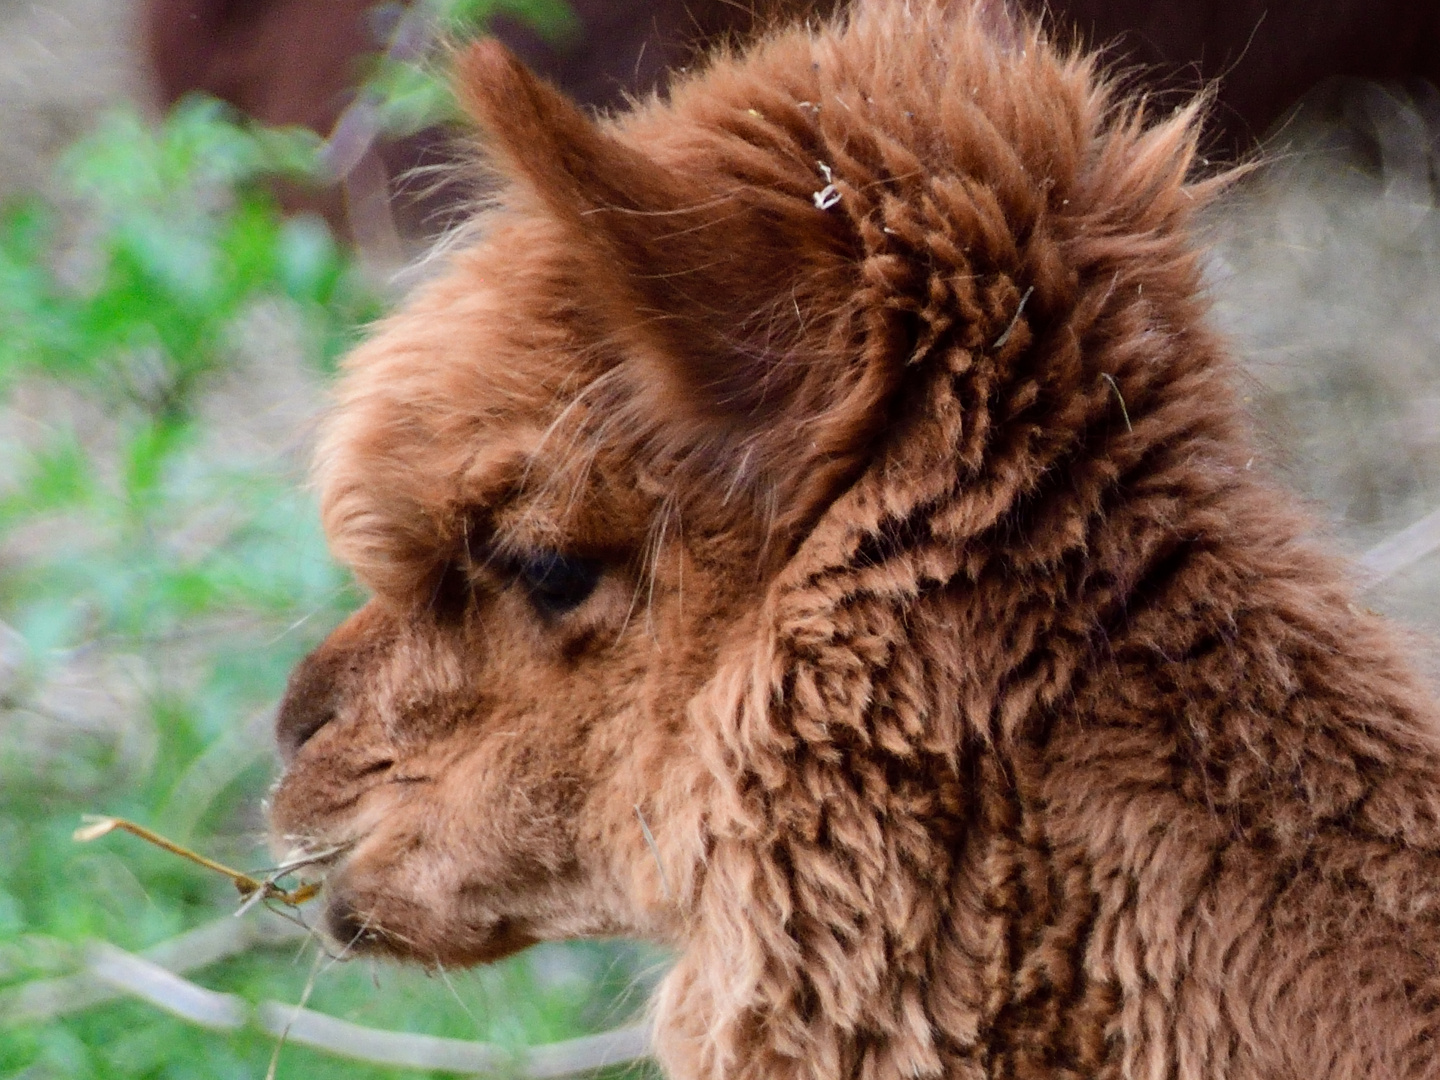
[(811, 525)]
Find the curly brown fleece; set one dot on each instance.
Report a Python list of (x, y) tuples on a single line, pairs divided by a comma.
[(827, 472)]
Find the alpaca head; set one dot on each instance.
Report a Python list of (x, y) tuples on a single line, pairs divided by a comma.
[(589, 471)]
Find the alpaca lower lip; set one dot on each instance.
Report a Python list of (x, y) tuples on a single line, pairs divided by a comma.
[(352, 930), (360, 933), (505, 938)]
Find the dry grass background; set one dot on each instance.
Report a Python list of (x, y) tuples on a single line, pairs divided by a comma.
[(61, 63), (1325, 272)]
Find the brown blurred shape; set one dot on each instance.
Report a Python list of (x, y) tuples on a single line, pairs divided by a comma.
[(298, 62), (1265, 53)]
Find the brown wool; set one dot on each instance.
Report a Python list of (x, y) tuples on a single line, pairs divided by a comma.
[(808, 525)]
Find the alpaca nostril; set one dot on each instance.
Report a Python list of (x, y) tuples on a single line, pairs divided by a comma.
[(309, 704), (330, 679), (299, 719), (311, 724)]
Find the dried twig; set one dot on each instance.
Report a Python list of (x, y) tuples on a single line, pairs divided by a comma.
[(299, 1008), (251, 889)]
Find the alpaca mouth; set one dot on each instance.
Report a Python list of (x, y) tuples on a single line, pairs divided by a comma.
[(300, 857), (356, 928), (350, 931)]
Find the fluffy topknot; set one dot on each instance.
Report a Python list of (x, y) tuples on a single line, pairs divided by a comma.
[(767, 252)]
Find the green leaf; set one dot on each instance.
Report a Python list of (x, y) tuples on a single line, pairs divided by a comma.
[(59, 476), (308, 264), (147, 452), (553, 19)]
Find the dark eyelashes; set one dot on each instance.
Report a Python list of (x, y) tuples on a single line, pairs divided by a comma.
[(557, 583), (450, 594), (553, 581)]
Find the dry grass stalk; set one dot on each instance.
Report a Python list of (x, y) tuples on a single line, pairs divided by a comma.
[(251, 889)]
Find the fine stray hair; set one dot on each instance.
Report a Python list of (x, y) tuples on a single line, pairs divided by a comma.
[(988, 716)]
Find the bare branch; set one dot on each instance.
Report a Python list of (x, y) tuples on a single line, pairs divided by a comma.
[(180, 997), (355, 132), (349, 157), (1404, 549), (405, 1050), (45, 999), (620, 1046), (166, 990)]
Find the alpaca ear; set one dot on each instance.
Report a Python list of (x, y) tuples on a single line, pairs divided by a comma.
[(697, 274), (545, 141)]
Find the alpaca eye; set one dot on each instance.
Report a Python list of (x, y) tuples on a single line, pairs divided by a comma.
[(450, 595), (558, 583)]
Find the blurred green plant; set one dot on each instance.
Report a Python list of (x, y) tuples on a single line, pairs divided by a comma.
[(161, 569), (411, 94), (182, 240)]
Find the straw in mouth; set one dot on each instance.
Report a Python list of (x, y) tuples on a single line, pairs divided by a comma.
[(252, 889)]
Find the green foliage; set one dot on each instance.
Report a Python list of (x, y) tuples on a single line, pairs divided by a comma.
[(184, 243), (411, 96), (161, 569)]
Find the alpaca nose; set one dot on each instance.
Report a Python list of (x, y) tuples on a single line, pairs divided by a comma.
[(309, 704), (325, 680)]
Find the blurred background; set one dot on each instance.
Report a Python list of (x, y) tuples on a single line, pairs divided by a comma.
[(203, 202)]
